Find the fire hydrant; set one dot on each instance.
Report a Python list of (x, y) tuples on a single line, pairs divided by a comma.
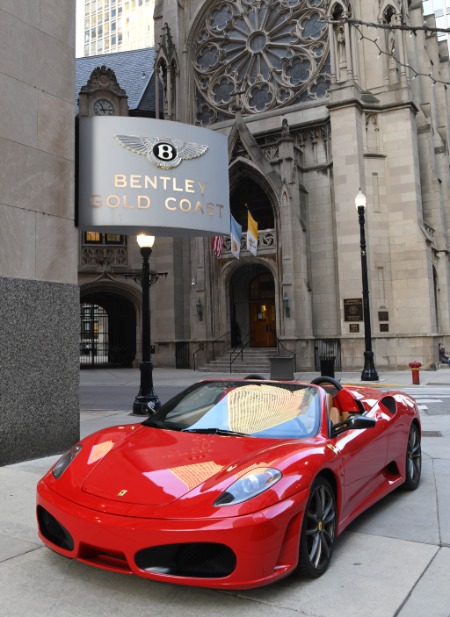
[(415, 366)]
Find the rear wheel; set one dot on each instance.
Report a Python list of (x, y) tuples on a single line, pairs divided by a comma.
[(318, 531), (413, 459)]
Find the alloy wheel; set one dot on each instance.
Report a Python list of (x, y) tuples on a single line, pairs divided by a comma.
[(318, 532)]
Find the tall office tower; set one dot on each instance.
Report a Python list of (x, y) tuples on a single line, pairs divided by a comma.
[(441, 9), (107, 26)]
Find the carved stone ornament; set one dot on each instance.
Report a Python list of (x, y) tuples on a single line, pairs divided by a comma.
[(258, 55), (102, 78)]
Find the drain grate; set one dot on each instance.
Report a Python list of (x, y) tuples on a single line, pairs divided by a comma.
[(431, 434)]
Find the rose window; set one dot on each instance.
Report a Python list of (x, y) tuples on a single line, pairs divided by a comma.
[(258, 55)]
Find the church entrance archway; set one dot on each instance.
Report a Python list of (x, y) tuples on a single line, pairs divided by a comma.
[(107, 331), (252, 307)]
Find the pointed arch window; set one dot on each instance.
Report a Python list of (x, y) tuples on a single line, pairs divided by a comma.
[(248, 195)]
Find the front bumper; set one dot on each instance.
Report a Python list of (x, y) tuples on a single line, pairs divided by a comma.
[(234, 553)]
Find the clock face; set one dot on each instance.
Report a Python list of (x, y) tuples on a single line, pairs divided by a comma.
[(103, 107)]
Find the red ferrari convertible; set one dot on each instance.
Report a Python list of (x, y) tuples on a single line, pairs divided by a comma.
[(233, 483)]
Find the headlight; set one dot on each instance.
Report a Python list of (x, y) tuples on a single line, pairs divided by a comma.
[(65, 461), (249, 485)]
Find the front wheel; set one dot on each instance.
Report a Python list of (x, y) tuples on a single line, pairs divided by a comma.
[(318, 530), (413, 460)]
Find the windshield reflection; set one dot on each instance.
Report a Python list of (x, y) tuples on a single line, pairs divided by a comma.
[(258, 409)]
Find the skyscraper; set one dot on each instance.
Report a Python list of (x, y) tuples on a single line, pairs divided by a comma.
[(106, 26), (441, 10)]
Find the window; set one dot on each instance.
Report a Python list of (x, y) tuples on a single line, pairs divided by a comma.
[(92, 237), (95, 237)]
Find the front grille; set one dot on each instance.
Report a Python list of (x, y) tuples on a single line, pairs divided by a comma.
[(103, 558), (194, 559)]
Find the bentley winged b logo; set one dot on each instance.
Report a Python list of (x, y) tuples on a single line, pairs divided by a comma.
[(162, 152)]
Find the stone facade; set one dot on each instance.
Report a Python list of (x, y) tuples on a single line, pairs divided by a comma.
[(39, 297), (315, 105), (342, 111)]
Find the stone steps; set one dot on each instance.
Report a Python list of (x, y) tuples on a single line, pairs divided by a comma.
[(255, 360)]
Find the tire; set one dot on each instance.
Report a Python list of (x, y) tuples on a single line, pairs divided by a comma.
[(318, 530), (413, 466)]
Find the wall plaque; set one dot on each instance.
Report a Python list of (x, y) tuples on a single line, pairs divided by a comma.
[(353, 309)]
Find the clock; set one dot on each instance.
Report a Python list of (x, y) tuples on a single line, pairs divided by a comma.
[(103, 107)]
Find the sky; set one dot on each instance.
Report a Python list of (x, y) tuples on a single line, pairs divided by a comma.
[(79, 29)]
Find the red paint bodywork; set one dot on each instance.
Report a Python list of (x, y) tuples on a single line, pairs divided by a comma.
[(134, 486)]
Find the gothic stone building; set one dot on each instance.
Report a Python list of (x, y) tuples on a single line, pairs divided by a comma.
[(315, 105)]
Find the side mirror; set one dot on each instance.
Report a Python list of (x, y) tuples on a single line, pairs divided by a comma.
[(152, 407), (353, 422)]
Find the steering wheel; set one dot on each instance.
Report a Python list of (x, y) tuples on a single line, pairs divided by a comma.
[(329, 380)]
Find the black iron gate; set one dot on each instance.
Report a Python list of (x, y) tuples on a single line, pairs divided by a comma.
[(94, 336), (182, 355), (107, 331)]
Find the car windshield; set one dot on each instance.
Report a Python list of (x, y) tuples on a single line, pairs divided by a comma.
[(246, 408)]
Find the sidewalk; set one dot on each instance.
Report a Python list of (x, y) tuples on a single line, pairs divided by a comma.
[(394, 561), (185, 377)]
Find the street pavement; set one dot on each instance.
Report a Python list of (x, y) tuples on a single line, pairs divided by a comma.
[(394, 561)]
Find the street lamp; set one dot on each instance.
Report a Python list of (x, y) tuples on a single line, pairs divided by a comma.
[(369, 372), (146, 397)]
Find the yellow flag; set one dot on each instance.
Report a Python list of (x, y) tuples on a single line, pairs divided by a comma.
[(252, 234)]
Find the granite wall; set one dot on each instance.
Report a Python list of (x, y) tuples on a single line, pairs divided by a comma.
[(39, 296), (39, 395)]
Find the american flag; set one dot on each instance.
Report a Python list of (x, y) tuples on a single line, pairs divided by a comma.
[(217, 246)]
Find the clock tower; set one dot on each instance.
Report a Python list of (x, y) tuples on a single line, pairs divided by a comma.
[(102, 95)]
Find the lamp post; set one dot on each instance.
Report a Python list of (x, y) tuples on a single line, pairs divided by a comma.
[(369, 372), (146, 397)]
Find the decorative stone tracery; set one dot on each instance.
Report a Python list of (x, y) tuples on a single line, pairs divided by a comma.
[(258, 56)]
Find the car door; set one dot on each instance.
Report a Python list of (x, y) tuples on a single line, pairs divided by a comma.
[(364, 457)]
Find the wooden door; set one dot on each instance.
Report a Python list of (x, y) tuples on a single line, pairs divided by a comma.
[(262, 320)]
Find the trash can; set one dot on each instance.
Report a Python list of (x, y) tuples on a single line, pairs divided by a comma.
[(282, 368), (327, 366)]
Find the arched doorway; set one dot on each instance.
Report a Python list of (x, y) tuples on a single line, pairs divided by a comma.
[(252, 306), (107, 331)]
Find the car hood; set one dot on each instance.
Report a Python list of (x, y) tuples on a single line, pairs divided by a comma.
[(154, 467)]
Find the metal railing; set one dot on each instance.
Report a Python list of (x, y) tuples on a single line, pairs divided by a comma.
[(238, 351), (207, 344), (234, 355), (290, 353)]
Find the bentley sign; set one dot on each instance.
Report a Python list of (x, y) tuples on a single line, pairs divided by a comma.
[(152, 176)]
